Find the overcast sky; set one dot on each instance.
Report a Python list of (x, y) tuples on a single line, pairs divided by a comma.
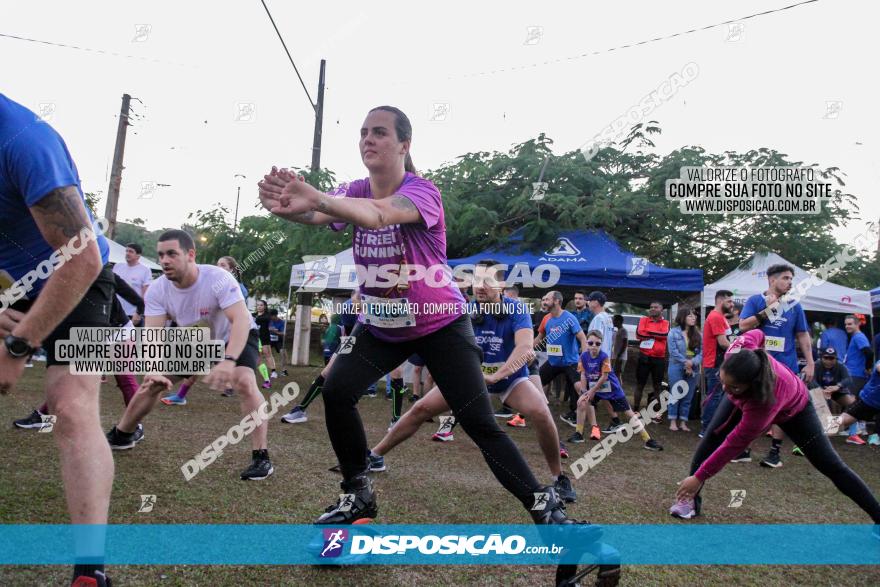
[(218, 96)]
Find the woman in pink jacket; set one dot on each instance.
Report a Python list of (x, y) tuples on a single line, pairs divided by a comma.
[(759, 392)]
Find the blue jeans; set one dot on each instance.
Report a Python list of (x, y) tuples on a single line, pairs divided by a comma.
[(713, 394), (682, 408)]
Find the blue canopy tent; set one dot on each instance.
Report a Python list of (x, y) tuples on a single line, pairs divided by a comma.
[(875, 298), (593, 260)]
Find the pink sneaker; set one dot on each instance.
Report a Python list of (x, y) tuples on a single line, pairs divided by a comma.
[(684, 509), (443, 437), (855, 439), (267, 385)]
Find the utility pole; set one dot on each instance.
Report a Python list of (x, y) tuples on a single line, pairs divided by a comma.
[(116, 171), (237, 196), (319, 121)]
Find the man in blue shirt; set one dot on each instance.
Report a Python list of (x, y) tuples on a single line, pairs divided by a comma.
[(833, 337), (564, 340), (53, 277), (582, 310), (785, 327), (503, 331), (858, 357)]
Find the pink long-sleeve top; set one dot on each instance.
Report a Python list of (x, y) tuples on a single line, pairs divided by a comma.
[(791, 397)]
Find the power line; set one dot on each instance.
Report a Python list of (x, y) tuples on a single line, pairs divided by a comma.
[(90, 50), (631, 45), (283, 44)]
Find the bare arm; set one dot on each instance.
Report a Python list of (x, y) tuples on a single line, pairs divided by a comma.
[(522, 353), (62, 219), (367, 213), (239, 327), (582, 339)]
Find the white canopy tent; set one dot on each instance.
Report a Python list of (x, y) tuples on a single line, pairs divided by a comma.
[(750, 278), (117, 255), (327, 273)]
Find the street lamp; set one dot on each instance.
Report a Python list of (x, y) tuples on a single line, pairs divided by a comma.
[(237, 196)]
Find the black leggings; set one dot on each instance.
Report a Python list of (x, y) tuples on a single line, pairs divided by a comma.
[(548, 373), (655, 367), (453, 357), (805, 430)]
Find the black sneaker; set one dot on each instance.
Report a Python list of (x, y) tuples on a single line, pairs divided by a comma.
[(564, 489), (652, 444), (98, 580), (261, 467), (357, 502), (744, 457), (569, 418), (576, 438), (414, 398), (612, 427), (34, 421), (284, 372), (504, 412), (772, 460), (120, 440), (138, 434), (377, 463), (337, 468)]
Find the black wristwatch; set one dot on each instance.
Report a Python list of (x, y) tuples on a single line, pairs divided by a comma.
[(18, 347)]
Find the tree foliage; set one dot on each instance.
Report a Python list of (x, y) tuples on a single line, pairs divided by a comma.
[(488, 195)]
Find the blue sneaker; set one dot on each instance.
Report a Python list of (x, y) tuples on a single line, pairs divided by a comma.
[(377, 463), (174, 400)]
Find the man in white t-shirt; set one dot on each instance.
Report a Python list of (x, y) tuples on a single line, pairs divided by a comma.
[(207, 296), (601, 321), (136, 275)]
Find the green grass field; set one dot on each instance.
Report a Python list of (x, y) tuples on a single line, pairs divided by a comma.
[(427, 483)]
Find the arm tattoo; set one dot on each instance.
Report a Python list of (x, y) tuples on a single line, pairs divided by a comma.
[(304, 217), (61, 213), (403, 203), (323, 207)]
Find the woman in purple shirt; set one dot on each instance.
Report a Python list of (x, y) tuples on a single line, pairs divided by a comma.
[(399, 230)]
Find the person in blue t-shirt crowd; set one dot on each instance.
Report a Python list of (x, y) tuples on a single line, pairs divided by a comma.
[(564, 340), (833, 336), (867, 407), (54, 276), (599, 382), (785, 331), (582, 310), (858, 356), (506, 341)]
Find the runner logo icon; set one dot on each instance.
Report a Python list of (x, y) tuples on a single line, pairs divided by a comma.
[(333, 542), (541, 500)]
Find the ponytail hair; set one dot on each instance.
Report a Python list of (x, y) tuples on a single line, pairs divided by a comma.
[(403, 129), (408, 164), (754, 367), (233, 266)]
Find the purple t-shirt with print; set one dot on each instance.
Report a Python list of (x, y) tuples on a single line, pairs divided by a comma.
[(423, 244)]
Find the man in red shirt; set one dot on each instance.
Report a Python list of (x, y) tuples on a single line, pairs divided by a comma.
[(716, 333), (652, 332)]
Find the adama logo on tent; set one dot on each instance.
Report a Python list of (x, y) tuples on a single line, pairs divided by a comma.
[(564, 251)]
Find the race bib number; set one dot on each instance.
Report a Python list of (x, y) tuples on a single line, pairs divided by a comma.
[(775, 344), (554, 350), (491, 368), (647, 344), (387, 312)]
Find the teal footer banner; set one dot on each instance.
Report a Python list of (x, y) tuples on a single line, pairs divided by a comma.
[(377, 544)]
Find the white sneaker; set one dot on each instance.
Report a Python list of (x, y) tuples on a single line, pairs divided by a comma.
[(274, 375), (295, 416)]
